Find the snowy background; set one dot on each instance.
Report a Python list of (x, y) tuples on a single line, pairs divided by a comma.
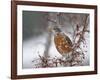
[(35, 35)]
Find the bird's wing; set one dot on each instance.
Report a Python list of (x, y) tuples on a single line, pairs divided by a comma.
[(68, 39)]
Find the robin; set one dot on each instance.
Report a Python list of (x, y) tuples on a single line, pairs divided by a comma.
[(62, 42)]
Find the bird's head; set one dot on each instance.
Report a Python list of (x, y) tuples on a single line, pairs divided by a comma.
[(55, 30)]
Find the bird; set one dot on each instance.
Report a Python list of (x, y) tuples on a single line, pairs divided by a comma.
[(62, 42)]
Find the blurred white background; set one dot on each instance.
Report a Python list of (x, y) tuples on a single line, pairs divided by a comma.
[(5, 40)]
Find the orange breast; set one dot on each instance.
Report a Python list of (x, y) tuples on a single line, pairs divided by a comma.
[(61, 44)]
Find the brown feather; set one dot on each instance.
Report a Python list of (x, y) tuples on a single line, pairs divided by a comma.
[(62, 44)]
